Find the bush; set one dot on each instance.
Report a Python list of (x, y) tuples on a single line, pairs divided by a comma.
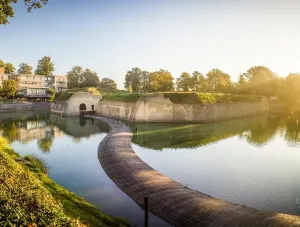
[(200, 98)]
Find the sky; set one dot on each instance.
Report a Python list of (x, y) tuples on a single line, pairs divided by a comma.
[(113, 36)]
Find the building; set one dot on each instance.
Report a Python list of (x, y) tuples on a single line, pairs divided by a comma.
[(60, 83), (35, 86)]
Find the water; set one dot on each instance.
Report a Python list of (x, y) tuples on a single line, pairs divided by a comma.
[(70, 145), (252, 161)]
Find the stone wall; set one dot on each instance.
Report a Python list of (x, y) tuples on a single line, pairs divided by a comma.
[(13, 107), (156, 108), (70, 107)]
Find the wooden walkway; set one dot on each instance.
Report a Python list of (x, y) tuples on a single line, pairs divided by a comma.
[(169, 199)]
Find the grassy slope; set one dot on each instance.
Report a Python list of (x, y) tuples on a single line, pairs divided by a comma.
[(29, 196)]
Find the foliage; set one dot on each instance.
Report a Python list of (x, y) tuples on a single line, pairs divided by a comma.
[(133, 78), (24, 199), (130, 89), (28, 197), (38, 164), (93, 91), (9, 88), (121, 97), (9, 68), (45, 67), (51, 92), (199, 98), (107, 83), (161, 80), (63, 96), (25, 68), (2, 64), (217, 80), (77, 78), (185, 82), (199, 82), (6, 10)]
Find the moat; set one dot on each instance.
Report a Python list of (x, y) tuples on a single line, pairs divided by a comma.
[(251, 161)]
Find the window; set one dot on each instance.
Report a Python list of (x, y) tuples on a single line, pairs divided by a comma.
[(92, 107)]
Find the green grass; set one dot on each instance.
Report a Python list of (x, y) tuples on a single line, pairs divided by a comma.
[(29, 196), (63, 96), (121, 97), (200, 98)]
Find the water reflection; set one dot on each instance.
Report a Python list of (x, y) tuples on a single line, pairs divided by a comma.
[(44, 127), (257, 130)]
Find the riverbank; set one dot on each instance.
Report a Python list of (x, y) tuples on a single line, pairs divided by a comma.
[(29, 196), (23, 106), (168, 199)]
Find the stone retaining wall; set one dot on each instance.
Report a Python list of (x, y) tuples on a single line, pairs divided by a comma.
[(156, 108), (13, 107)]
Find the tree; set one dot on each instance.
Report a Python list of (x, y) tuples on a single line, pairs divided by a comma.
[(161, 80), (45, 144), (77, 78), (133, 77), (9, 68), (24, 68), (2, 64), (258, 74), (185, 82), (6, 10), (9, 88), (198, 81), (45, 67), (218, 80), (242, 79), (108, 84), (90, 79)]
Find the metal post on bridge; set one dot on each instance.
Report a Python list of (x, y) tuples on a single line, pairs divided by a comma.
[(146, 221)]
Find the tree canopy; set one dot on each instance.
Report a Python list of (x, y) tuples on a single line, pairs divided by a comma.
[(161, 80), (108, 84), (9, 68), (45, 67), (9, 88), (217, 80), (6, 9), (25, 68), (133, 79), (2, 64), (77, 78)]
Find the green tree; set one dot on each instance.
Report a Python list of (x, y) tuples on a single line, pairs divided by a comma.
[(2, 64), (9, 88), (242, 79), (108, 84), (217, 80), (185, 82), (258, 74), (6, 9), (45, 67), (199, 81), (161, 80), (90, 79), (9, 68), (25, 68), (145, 82), (75, 77), (133, 77)]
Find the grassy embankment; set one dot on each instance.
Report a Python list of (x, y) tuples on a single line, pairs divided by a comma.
[(186, 97), (28, 197)]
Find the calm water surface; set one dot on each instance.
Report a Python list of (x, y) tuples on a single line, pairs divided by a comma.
[(252, 161), (70, 145)]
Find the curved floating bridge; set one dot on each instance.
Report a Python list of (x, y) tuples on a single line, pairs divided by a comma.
[(169, 199)]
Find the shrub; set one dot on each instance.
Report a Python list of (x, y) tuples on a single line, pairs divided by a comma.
[(200, 98)]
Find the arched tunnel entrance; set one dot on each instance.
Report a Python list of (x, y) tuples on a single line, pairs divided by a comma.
[(82, 106)]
